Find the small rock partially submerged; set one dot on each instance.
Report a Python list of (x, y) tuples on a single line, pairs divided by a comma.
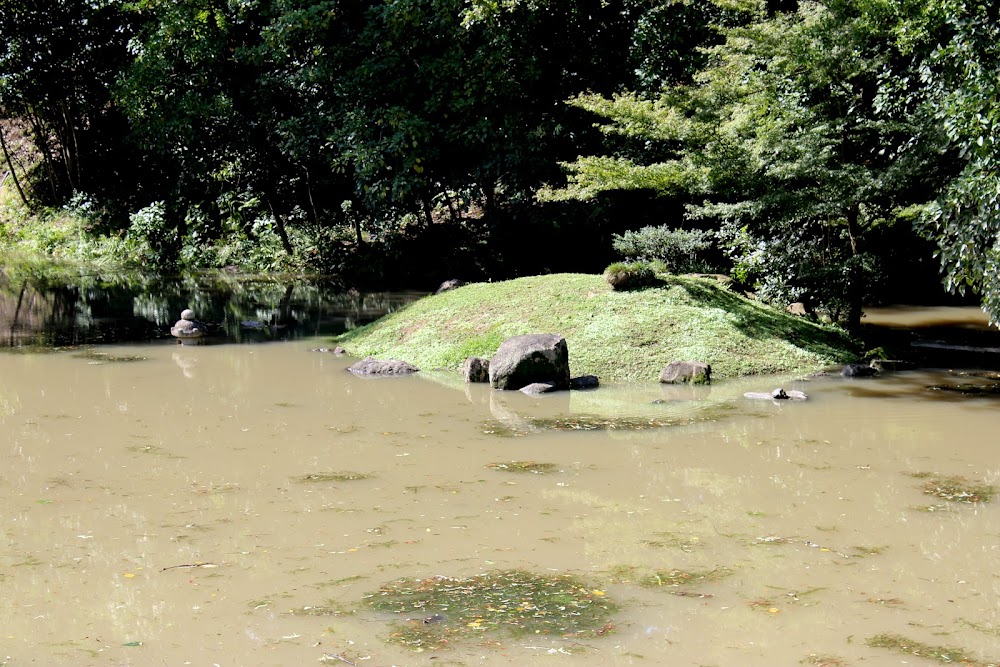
[(373, 366), (778, 394)]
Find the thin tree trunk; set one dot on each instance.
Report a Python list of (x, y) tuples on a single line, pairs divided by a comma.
[(312, 202), (855, 291), (10, 165), (279, 226)]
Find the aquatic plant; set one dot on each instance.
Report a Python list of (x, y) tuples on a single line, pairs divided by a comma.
[(441, 610)]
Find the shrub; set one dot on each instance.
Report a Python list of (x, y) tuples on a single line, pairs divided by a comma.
[(681, 250), (630, 275)]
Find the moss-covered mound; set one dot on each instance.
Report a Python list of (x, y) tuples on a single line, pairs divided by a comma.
[(618, 336)]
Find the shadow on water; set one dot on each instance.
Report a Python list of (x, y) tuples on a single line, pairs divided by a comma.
[(45, 307)]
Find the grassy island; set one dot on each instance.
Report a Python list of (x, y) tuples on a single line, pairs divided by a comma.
[(616, 335)]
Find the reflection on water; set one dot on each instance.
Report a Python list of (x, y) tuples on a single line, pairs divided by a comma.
[(233, 505), (42, 308)]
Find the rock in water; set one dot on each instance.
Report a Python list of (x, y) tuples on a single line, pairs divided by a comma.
[(523, 360), (373, 366)]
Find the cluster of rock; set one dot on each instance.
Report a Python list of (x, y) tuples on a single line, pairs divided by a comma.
[(533, 364), (539, 364)]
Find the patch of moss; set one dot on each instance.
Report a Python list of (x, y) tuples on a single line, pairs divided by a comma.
[(441, 610), (331, 477), (956, 488), (943, 654), (524, 466)]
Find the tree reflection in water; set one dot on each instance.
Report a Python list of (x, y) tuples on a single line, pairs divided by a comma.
[(52, 306)]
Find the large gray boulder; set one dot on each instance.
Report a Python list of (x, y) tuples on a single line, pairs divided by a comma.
[(523, 360), (371, 366), (686, 372)]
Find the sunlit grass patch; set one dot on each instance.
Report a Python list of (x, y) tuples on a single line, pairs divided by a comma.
[(441, 610), (955, 488), (676, 578), (524, 466), (331, 477), (943, 654)]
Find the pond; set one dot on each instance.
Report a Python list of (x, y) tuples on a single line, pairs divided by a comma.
[(238, 504)]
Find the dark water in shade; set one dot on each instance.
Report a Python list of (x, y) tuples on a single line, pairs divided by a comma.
[(153, 509)]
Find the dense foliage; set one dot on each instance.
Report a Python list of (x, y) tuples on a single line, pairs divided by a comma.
[(806, 143)]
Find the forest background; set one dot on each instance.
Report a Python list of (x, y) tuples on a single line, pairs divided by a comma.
[(836, 153)]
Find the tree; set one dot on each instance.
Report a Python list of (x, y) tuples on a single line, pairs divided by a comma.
[(963, 94), (797, 143)]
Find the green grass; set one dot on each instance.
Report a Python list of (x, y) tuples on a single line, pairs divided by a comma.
[(618, 336)]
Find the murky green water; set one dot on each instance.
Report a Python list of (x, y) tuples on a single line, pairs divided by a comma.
[(234, 504)]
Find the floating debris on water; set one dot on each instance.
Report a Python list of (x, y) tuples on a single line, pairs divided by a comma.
[(595, 423), (943, 654), (95, 357), (332, 477), (677, 577), (955, 488), (524, 466)]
